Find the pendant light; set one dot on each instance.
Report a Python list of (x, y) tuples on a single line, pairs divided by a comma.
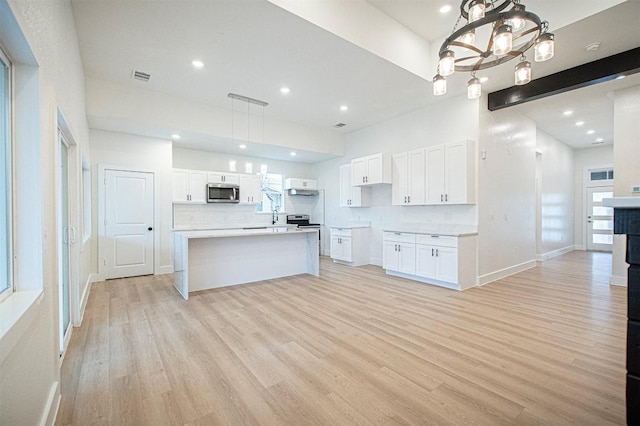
[(544, 47), (439, 85), (447, 63), (469, 37), (476, 10), (503, 40), (517, 20), (474, 87), (523, 72)]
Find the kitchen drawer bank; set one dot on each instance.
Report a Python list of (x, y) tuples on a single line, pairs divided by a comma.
[(444, 258)]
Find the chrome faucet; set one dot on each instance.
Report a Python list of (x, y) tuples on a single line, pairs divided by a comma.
[(274, 217)]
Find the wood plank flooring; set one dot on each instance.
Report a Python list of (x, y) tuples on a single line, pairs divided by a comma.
[(353, 347)]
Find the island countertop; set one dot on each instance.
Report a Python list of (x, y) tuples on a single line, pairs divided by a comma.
[(435, 229), (244, 232)]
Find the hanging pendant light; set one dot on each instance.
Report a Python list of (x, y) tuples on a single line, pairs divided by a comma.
[(439, 85), (523, 72), (474, 88), (544, 47), (476, 10), (502, 40), (517, 20), (447, 63), (469, 37)]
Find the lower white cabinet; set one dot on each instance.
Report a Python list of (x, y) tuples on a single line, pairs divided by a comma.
[(431, 258), (350, 246), (399, 253)]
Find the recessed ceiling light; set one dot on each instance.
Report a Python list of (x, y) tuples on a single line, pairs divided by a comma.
[(590, 132), (293, 153), (175, 136), (197, 64), (567, 112), (484, 79), (579, 123), (284, 90), (592, 47), (445, 9), (344, 108), (600, 140), (242, 146)]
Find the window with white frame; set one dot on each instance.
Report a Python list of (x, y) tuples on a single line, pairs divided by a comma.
[(6, 275), (272, 187)]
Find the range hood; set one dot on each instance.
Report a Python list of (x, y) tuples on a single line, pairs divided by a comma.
[(305, 192)]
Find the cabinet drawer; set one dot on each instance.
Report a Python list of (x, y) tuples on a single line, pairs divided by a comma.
[(340, 232), (400, 237), (437, 240), (633, 347), (633, 399)]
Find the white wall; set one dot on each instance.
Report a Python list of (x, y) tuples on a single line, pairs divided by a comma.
[(626, 158), (584, 159), (428, 126), (557, 220), (30, 374), (143, 154), (506, 194)]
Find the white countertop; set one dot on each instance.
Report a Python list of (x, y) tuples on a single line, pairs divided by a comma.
[(218, 233), (235, 227), (622, 202), (436, 229), (351, 225)]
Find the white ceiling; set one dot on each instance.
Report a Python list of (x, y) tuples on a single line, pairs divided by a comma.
[(253, 47)]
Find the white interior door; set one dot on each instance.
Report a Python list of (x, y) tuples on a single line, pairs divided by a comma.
[(599, 219), (128, 224)]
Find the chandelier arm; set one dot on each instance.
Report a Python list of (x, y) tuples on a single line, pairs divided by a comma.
[(466, 58), (524, 33), (466, 46), (476, 66)]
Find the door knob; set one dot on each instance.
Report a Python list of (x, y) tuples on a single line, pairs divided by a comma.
[(150, 229)]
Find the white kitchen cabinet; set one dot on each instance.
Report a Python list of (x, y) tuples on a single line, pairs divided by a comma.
[(371, 170), (250, 190), (409, 178), (221, 177), (352, 196), (399, 252), (350, 246), (189, 186), (431, 258), (299, 183), (451, 173), (437, 257)]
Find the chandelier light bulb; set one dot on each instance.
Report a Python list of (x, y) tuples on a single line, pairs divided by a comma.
[(439, 85), (469, 37), (474, 88), (502, 40), (544, 47), (447, 63), (517, 20), (476, 10), (523, 73)]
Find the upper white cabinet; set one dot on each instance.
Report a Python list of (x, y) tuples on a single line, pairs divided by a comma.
[(352, 196), (250, 190), (299, 183), (371, 170), (219, 177), (189, 186), (409, 178), (451, 173)]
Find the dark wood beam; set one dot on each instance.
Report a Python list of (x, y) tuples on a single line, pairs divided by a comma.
[(595, 72)]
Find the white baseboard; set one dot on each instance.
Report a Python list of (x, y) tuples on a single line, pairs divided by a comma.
[(618, 281), (375, 261), (85, 296), (166, 269), (554, 253), (51, 408), (96, 277), (503, 273), (580, 247)]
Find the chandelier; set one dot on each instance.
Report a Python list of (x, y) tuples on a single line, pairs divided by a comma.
[(496, 31)]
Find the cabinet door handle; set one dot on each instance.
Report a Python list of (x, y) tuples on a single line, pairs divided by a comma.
[(409, 198), (436, 252), (441, 198), (446, 197), (399, 247), (431, 252), (405, 199)]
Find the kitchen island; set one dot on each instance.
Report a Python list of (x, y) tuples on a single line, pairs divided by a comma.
[(218, 258)]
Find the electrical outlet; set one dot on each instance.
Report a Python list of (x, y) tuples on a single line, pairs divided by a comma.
[(635, 189)]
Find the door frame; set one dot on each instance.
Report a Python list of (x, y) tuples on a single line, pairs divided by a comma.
[(102, 203), (587, 183)]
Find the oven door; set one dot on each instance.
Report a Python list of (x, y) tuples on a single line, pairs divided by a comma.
[(222, 193)]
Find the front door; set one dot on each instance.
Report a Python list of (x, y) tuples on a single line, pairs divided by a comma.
[(599, 219), (128, 224)]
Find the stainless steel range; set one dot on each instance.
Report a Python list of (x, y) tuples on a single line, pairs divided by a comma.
[(302, 220)]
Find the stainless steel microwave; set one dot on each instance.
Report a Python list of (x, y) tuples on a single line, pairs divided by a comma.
[(223, 193)]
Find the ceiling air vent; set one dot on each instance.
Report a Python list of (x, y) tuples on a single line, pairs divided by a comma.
[(139, 75), (339, 125)]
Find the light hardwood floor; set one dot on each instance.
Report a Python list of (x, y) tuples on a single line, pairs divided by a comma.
[(354, 346)]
